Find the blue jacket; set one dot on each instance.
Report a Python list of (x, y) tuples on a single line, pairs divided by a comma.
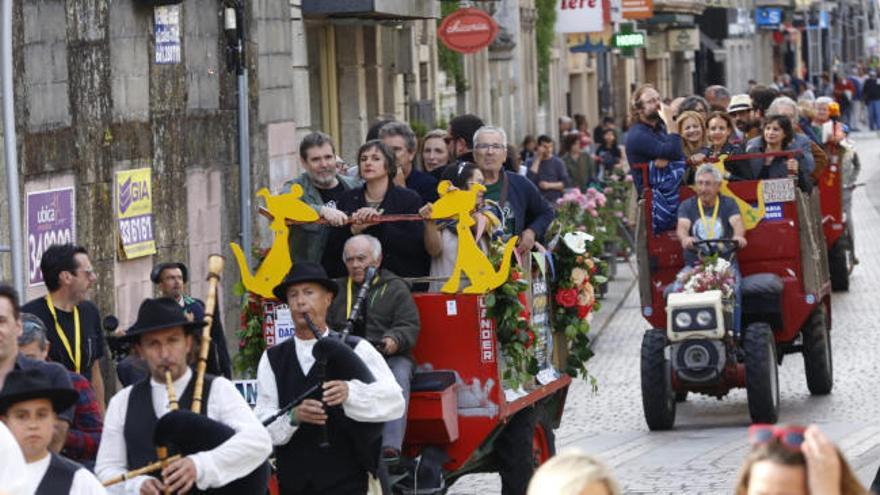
[(645, 144), (524, 206)]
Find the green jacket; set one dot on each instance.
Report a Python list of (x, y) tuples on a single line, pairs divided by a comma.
[(307, 241), (389, 308)]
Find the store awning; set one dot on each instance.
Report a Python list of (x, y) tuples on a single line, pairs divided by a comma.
[(372, 9)]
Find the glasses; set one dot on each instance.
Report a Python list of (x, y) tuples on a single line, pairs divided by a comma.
[(490, 146), (789, 436)]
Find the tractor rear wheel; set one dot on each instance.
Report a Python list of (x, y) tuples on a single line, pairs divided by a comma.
[(762, 374), (840, 263), (817, 353), (658, 398)]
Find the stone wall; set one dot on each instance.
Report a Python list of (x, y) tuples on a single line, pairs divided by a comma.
[(90, 101)]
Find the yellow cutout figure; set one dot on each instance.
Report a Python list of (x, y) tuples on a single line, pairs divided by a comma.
[(751, 215), (470, 259), (277, 262)]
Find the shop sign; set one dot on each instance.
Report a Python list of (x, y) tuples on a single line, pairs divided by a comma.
[(768, 17), (581, 16), (637, 9), (683, 40), (629, 40), (51, 219), (467, 30), (134, 211)]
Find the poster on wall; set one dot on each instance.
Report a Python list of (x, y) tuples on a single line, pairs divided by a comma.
[(582, 16), (134, 212), (167, 32), (51, 219)]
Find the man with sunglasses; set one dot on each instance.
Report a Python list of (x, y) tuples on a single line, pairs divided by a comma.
[(74, 323)]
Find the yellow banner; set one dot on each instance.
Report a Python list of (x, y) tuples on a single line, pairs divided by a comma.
[(134, 211)]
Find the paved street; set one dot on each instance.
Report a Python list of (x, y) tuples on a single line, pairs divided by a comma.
[(703, 453)]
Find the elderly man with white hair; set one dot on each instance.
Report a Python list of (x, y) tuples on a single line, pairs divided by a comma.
[(526, 213), (787, 107)]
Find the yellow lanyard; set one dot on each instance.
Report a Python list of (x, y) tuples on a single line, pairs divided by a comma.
[(710, 229), (348, 299), (77, 356)]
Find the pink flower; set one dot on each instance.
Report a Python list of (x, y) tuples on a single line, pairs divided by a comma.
[(594, 213), (628, 178), (608, 190), (618, 214)]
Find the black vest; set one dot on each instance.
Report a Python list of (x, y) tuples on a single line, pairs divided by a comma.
[(140, 420), (301, 464), (59, 476)]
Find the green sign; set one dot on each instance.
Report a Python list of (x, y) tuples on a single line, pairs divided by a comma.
[(629, 40)]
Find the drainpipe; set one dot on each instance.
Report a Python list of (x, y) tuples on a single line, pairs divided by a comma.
[(234, 24), (9, 142)]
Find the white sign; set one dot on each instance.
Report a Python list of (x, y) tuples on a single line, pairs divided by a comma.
[(580, 16), (284, 328), (778, 190), (167, 31)]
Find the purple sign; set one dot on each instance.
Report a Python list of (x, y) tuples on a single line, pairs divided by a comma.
[(50, 220)]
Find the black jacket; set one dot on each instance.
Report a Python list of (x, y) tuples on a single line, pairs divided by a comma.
[(403, 245)]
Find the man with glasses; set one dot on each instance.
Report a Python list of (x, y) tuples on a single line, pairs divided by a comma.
[(526, 213), (74, 323), (648, 139)]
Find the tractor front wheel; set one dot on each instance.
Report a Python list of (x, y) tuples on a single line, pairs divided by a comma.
[(658, 398), (817, 353)]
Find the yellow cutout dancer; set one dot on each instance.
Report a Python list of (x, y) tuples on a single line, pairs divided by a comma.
[(751, 215), (470, 260), (277, 262)]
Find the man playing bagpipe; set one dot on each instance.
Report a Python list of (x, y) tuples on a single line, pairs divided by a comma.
[(329, 435), (138, 418)]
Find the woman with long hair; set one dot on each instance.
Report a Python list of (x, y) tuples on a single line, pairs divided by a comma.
[(578, 163), (796, 461), (777, 135), (435, 152), (403, 249), (573, 472), (691, 127), (719, 131), (608, 154)]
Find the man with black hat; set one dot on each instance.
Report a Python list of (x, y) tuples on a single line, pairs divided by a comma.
[(170, 279), (162, 335), (288, 369), (29, 404)]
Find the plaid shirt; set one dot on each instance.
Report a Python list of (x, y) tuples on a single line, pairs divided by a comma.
[(84, 434)]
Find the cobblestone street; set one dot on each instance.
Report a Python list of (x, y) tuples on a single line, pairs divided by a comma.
[(703, 453)]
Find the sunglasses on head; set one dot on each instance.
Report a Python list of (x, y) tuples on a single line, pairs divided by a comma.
[(791, 436)]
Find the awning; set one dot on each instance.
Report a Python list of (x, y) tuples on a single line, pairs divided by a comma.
[(372, 9)]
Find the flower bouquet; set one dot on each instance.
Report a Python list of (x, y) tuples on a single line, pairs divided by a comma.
[(711, 273)]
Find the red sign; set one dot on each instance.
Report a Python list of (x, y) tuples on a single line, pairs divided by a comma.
[(637, 9), (467, 30)]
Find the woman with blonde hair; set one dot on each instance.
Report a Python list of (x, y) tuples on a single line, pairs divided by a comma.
[(692, 130), (573, 472), (796, 461)]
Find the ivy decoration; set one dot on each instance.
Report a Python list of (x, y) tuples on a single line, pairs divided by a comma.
[(251, 342)]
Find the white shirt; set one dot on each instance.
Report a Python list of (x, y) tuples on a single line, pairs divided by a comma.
[(11, 464), (375, 402), (235, 458), (84, 482)]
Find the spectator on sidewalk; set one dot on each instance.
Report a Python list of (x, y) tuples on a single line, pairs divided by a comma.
[(871, 97), (648, 139), (548, 171), (461, 133), (401, 139), (435, 152), (578, 163), (718, 97)]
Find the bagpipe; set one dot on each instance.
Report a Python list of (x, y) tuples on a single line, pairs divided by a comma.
[(189, 432)]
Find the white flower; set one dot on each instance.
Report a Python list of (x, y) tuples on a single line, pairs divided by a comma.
[(577, 241)]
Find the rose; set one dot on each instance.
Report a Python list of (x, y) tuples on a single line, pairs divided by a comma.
[(586, 296), (566, 297), (583, 311), (578, 275)]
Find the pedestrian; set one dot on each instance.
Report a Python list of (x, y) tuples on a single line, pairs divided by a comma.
[(871, 97), (691, 128), (579, 164), (527, 149), (322, 186), (795, 460), (526, 213), (608, 154), (84, 434), (435, 153), (648, 139), (718, 97), (392, 323), (403, 242), (170, 279), (401, 139), (461, 132), (350, 414), (599, 130), (582, 129), (29, 407), (573, 472), (75, 333), (548, 171), (566, 125), (163, 336)]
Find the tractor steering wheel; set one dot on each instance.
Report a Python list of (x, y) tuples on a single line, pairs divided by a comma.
[(722, 247)]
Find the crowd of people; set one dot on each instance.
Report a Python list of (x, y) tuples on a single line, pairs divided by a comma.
[(59, 427)]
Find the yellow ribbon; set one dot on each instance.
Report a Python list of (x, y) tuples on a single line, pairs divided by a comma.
[(348, 299), (710, 229), (75, 356)]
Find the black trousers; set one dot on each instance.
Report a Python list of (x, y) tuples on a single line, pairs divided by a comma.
[(351, 485)]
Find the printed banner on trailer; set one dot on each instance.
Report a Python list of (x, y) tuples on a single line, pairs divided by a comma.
[(51, 219), (134, 211)]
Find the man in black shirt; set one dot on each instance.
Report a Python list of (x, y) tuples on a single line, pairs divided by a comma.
[(74, 323)]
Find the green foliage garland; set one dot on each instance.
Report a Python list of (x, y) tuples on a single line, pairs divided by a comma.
[(451, 62), (545, 32)]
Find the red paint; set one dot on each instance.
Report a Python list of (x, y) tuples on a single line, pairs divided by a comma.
[(467, 30)]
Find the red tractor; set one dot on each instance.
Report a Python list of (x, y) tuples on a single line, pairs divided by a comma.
[(835, 224), (786, 308)]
